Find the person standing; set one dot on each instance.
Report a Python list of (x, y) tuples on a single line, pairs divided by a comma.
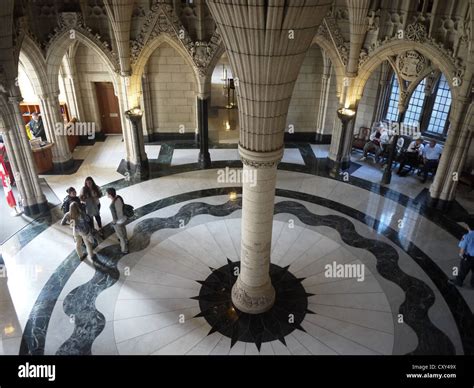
[(81, 230), (431, 155), (37, 127), (90, 196), (466, 253), (119, 219)]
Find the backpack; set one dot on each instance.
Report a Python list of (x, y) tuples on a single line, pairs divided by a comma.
[(65, 205), (128, 210)]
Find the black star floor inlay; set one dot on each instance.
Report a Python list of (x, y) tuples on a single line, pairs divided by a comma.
[(285, 316)]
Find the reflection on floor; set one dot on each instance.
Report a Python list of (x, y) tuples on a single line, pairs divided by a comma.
[(224, 125), (187, 225)]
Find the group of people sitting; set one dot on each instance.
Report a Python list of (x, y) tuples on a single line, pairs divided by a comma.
[(80, 212), (417, 155), (378, 142)]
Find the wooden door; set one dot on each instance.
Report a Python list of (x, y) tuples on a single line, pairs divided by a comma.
[(108, 108)]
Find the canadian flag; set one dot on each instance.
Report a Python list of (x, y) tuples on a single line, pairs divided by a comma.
[(7, 187)]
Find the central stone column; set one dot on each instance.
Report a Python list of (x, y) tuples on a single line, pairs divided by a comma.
[(266, 41), (253, 292)]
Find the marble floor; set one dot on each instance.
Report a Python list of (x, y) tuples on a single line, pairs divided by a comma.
[(395, 301)]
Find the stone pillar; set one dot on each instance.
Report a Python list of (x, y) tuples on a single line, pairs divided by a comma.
[(346, 116), (72, 90), (387, 174), (203, 130), (383, 91), (266, 52), (148, 106), (135, 165), (324, 97), (54, 127), (443, 189), (32, 200), (339, 157), (358, 23), (140, 169), (253, 292)]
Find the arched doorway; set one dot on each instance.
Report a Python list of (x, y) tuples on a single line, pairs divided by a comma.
[(223, 112)]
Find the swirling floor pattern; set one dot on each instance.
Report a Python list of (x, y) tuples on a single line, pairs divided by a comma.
[(154, 313), (149, 308)]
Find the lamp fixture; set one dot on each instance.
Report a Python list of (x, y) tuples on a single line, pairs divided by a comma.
[(134, 112)]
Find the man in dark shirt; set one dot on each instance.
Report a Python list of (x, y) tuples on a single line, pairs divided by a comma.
[(37, 127)]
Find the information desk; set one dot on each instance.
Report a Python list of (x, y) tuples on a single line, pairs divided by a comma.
[(43, 157)]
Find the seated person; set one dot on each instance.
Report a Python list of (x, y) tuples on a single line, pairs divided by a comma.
[(37, 127), (431, 156), (412, 155), (377, 141)]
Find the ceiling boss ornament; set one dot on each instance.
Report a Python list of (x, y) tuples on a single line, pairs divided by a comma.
[(410, 65)]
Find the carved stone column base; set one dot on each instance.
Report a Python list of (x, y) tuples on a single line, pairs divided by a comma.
[(253, 300)]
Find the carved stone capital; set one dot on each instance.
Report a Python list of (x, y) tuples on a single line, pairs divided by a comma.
[(260, 159), (253, 300)]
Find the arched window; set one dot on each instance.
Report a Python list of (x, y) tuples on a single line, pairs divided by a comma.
[(415, 106), (392, 111), (440, 112), (431, 112)]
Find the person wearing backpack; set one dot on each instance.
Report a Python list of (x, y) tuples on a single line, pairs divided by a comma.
[(81, 230), (71, 197), (119, 216)]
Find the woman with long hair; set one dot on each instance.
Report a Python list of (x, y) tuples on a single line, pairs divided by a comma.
[(81, 230), (90, 196)]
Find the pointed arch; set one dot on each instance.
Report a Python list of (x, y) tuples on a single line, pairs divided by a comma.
[(337, 65), (396, 47), (139, 66), (32, 59), (58, 48), (212, 64)]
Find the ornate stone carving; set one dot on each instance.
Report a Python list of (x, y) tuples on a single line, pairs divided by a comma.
[(138, 11), (259, 164), (431, 82), (447, 54), (335, 35), (23, 30), (373, 20), (162, 19), (410, 65), (323, 31), (69, 19), (249, 303), (73, 21), (403, 98), (96, 11), (341, 13), (363, 56), (416, 32)]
